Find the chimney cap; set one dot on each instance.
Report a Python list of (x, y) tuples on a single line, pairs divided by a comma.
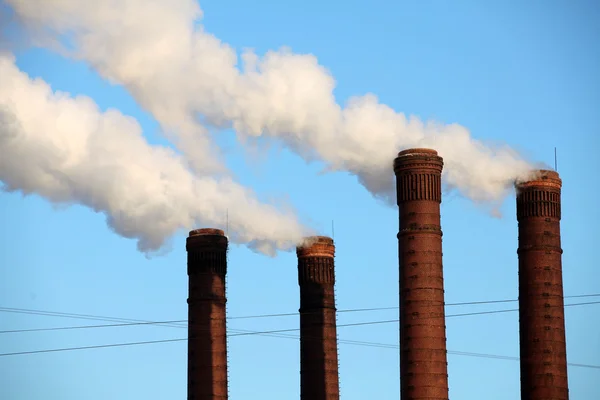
[(547, 173), (418, 159), (420, 150), (316, 246), (311, 240), (541, 177), (207, 231), (210, 239)]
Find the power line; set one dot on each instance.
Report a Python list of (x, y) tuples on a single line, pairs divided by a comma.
[(114, 319), (252, 333), (278, 332), (281, 333), (78, 316), (396, 307), (181, 322), (245, 333), (101, 346), (121, 321), (60, 328), (460, 353)]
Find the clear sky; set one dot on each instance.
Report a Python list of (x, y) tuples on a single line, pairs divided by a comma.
[(526, 75)]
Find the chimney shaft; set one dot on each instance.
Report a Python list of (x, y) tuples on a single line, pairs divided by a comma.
[(541, 305), (423, 360), (207, 340), (318, 337)]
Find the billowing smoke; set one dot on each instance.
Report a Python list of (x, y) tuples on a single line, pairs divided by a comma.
[(68, 151), (189, 79)]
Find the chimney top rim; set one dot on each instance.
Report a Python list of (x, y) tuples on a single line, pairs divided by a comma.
[(206, 231), (311, 240), (316, 246), (418, 151), (541, 176), (548, 172)]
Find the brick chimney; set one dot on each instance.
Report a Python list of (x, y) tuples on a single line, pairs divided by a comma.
[(318, 338), (207, 340), (541, 303), (423, 360)]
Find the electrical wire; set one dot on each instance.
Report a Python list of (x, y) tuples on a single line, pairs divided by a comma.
[(251, 333), (114, 319), (181, 322), (82, 316), (61, 328), (281, 333), (396, 307)]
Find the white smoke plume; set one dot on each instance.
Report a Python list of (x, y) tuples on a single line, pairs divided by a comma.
[(188, 79), (68, 151)]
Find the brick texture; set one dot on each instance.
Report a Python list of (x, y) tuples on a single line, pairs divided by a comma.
[(541, 304), (423, 358), (319, 378), (207, 340)]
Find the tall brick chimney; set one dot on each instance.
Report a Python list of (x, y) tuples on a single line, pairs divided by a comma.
[(318, 338), (423, 360), (541, 303), (207, 340)]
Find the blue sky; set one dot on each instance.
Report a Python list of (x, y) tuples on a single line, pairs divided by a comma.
[(525, 75)]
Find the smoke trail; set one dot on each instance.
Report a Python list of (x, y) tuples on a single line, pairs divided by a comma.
[(68, 151), (178, 72)]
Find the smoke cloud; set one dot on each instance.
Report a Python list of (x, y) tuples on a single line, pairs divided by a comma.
[(188, 79), (191, 81), (68, 151)]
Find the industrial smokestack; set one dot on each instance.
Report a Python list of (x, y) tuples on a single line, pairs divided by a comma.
[(423, 360), (318, 337), (207, 340), (541, 303)]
